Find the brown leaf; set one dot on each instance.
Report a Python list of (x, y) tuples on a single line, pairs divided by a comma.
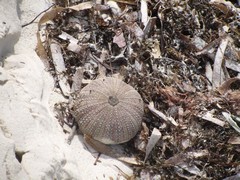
[(119, 38), (209, 117), (50, 15), (218, 74), (82, 6), (40, 50), (226, 85), (234, 140)]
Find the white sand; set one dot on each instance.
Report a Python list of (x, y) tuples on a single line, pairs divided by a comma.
[(28, 126)]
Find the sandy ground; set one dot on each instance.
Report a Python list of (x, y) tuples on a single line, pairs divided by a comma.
[(32, 143)]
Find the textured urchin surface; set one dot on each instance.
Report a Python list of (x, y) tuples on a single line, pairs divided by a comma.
[(109, 110)]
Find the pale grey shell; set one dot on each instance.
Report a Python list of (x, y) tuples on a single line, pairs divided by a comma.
[(109, 110)]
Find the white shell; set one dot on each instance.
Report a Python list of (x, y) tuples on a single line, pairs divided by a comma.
[(109, 110)]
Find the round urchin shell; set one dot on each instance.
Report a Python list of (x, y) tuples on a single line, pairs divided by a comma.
[(109, 110)]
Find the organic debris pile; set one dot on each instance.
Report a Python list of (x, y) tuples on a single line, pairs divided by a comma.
[(183, 57)]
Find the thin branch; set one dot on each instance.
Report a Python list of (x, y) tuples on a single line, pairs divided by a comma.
[(24, 25)]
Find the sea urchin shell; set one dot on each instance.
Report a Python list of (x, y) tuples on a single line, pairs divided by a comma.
[(109, 110)]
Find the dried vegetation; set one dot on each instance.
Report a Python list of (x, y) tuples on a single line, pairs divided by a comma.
[(183, 57)]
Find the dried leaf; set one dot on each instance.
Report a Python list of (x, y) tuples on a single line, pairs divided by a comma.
[(234, 177), (234, 140), (234, 96), (150, 25), (144, 12), (156, 52), (100, 147), (101, 7), (131, 16), (218, 74), (74, 47), (231, 121), (77, 80), (137, 31), (57, 58), (226, 85), (71, 134), (232, 64), (141, 139), (208, 73), (154, 138), (188, 87), (60, 68), (176, 160), (130, 2), (161, 115), (225, 6), (209, 117), (186, 143), (116, 10), (209, 48), (182, 158), (110, 151), (50, 15), (130, 160), (82, 6), (119, 38), (198, 154), (103, 57), (40, 50), (138, 66), (66, 36), (193, 169)]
